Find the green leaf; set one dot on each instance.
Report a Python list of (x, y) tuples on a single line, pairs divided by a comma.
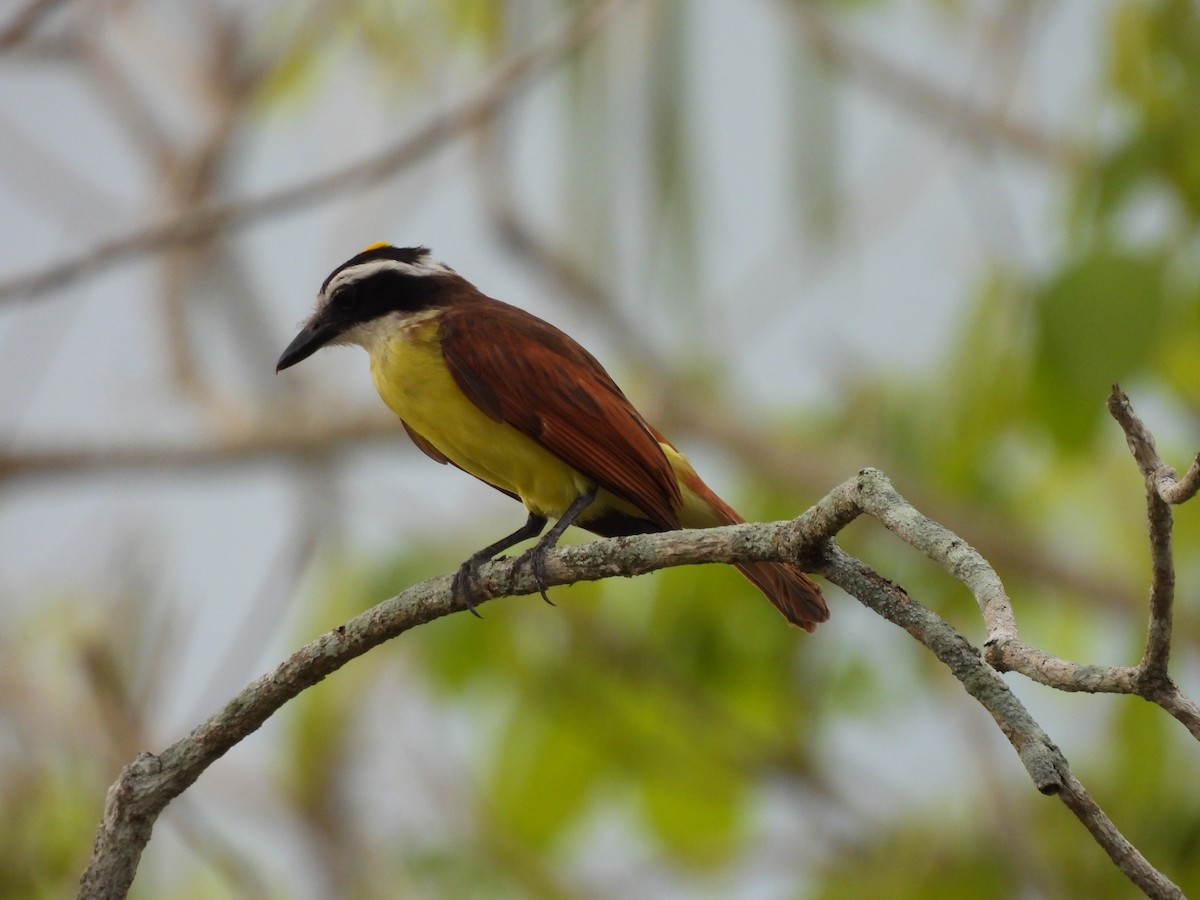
[(1098, 321), (543, 773), (695, 812)]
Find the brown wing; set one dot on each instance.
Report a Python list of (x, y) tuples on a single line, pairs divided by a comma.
[(523, 371), (439, 457), (424, 446)]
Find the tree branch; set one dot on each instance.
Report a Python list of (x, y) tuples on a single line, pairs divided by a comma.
[(507, 84), (1141, 444), (287, 436), (149, 783), (927, 100), (21, 25), (1042, 759), (1161, 484), (1149, 679)]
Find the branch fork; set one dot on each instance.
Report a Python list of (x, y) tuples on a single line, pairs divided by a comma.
[(150, 782)]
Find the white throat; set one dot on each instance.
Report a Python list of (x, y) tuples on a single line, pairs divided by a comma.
[(374, 336)]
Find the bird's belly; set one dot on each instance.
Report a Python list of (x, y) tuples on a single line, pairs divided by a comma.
[(412, 379)]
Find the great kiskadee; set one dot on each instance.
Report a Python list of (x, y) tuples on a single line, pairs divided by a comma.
[(510, 399)]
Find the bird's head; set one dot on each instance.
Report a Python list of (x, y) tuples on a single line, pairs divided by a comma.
[(370, 295)]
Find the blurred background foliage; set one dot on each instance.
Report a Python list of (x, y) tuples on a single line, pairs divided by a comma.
[(663, 736)]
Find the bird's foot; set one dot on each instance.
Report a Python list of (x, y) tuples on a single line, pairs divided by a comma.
[(465, 584), (535, 558)]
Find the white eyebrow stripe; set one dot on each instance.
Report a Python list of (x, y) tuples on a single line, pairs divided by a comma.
[(422, 269)]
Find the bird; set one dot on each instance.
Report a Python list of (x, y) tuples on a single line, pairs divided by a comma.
[(512, 400)]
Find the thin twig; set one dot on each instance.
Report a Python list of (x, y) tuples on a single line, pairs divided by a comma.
[(1126, 856), (1150, 678), (25, 21), (289, 437), (507, 84), (1161, 483), (921, 96), (1185, 488), (1157, 654), (1169, 486), (1160, 479), (1163, 489), (1137, 435)]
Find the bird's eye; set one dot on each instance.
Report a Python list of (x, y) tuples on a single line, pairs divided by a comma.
[(343, 298)]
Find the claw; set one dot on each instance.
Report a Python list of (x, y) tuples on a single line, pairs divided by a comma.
[(535, 558), (465, 583)]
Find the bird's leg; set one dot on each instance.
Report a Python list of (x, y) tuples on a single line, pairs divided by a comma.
[(467, 576), (536, 555)]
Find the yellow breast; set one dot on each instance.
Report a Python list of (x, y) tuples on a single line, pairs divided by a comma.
[(411, 376)]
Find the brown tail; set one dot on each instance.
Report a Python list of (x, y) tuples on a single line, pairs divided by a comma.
[(794, 594)]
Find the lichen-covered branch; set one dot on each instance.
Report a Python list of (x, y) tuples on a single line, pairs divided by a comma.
[(1042, 759), (1004, 649), (1162, 489), (150, 782)]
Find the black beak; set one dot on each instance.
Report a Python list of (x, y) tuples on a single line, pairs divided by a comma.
[(310, 339)]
